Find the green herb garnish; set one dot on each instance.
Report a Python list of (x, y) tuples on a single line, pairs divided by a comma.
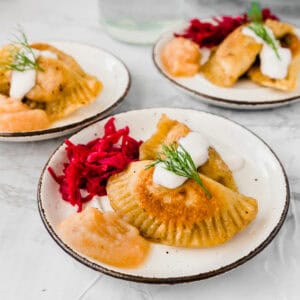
[(254, 13), (261, 31), (23, 58), (178, 161)]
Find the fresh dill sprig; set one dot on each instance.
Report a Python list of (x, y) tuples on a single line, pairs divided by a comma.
[(178, 161), (260, 30), (254, 13), (23, 57)]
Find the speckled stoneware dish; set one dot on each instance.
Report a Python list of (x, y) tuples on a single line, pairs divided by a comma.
[(245, 94), (116, 83), (262, 177)]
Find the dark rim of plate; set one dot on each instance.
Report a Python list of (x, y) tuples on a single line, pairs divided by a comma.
[(82, 123), (217, 100), (167, 280)]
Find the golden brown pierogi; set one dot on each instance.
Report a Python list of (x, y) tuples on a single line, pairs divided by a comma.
[(64, 86), (182, 216), (232, 59), (61, 86), (288, 83), (169, 131), (279, 29)]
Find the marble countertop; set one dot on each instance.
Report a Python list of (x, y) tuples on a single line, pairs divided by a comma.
[(33, 267)]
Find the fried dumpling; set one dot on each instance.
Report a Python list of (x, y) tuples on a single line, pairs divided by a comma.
[(169, 131), (181, 216), (5, 57), (232, 59), (104, 237), (64, 86), (279, 29), (288, 83), (61, 86)]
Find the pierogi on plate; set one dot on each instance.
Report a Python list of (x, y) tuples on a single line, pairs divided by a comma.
[(48, 83), (255, 45), (174, 189), (182, 216)]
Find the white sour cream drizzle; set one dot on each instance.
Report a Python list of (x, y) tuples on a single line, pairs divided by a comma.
[(22, 82), (166, 178), (45, 53), (205, 54), (270, 64), (197, 146)]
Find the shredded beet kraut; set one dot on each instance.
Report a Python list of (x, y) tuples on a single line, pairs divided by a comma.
[(90, 165), (207, 34)]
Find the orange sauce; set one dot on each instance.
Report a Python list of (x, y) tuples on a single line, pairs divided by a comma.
[(104, 237), (17, 117), (181, 57)]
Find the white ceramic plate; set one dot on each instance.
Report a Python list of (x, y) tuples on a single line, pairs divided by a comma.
[(262, 177), (116, 83), (245, 94)]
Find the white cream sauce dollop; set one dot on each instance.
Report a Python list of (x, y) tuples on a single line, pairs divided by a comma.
[(45, 53), (270, 64), (197, 146), (22, 82), (166, 178), (205, 54)]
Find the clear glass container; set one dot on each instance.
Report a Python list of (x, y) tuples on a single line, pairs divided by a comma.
[(139, 21)]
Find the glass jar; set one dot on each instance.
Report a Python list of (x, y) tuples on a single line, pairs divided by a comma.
[(139, 21)]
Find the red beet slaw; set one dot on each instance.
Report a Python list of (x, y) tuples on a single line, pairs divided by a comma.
[(210, 34), (90, 165)]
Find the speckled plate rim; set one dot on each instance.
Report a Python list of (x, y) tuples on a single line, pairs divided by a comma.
[(218, 101), (83, 123), (169, 280)]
